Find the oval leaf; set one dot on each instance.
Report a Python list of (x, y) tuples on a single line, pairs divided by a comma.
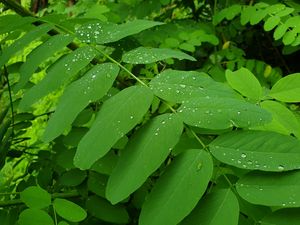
[(222, 113), (60, 73), (169, 201), (287, 89), (69, 210), (244, 82), (34, 217), (91, 87), (146, 151), (101, 33), (35, 197), (103, 210), (144, 55), (179, 86), (271, 189), (271, 23), (218, 207), (118, 115), (261, 150)]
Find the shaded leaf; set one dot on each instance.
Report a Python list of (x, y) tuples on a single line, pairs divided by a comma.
[(35, 197), (271, 189), (72, 177), (58, 74), (216, 208), (144, 55), (34, 217), (169, 201), (103, 210), (221, 113), (118, 115), (144, 153), (69, 210), (282, 217), (261, 150), (91, 87)]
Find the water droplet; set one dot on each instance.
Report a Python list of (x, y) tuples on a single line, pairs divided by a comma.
[(156, 133), (283, 204), (239, 161), (182, 85), (163, 122), (261, 189), (281, 167), (250, 162), (243, 155), (238, 112), (131, 117)]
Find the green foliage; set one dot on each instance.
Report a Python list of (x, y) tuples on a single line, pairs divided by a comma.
[(150, 112)]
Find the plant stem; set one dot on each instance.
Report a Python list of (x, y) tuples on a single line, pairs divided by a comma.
[(14, 5)]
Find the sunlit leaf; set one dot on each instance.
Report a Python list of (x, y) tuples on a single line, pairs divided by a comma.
[(35, 197), (34, 217)]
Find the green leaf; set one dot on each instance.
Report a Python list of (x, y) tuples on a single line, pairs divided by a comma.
[(261, 150), (287, 89), (106, 164), (69, 210), (63, 223), (59, 73), (97, 183), (271, 23), (144, 55), (244, 82), (289, 37), (271, 189), (22, 42), (179, 86), (118, 115), (102, 33), (72, 177), (219, 207), (34, 217), (15, 22), (35, 197), (103, 210), (282, 217), (221, 113), (39, 54), (91, 87), (280, 31), (280, 123), (144, 153), (178, 190)]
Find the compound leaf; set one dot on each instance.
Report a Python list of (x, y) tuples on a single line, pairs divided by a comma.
[(146, 151), (118, 115)]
